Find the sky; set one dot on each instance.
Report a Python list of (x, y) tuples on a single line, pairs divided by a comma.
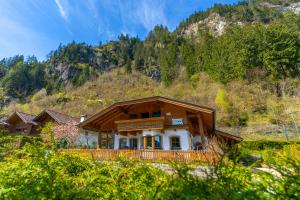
[(35, 27)]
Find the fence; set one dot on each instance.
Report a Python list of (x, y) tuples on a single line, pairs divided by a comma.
[(149, 155)]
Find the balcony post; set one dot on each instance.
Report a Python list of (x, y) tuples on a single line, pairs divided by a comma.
[(144, 142), (99, 138), (107, 132), (153, 143), (201, 128)]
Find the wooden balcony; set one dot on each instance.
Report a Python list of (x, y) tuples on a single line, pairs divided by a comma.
[(154, 123), (189, 156)]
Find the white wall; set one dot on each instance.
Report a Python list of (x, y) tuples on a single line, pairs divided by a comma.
[(118, 137), (185, 140), (183, 134), (86, 137)]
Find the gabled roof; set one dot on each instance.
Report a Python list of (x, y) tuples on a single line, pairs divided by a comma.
[(25, 117), (229, 136), (146, 100), (57, 117)]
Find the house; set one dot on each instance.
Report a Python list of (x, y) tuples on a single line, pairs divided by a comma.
[(20, 122), (154, 123), (52, 116)]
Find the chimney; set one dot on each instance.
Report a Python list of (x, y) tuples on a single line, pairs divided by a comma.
[(83, 117)]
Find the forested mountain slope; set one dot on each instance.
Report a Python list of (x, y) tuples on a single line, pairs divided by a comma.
[(242, 59)]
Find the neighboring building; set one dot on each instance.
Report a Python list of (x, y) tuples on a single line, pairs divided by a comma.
[(154, 123), (20, 122), (52, 116)]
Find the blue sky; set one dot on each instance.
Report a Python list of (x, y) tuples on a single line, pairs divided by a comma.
[(35, 27)]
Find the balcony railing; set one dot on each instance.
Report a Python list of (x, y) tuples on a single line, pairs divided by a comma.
[(154, 123), (189, 156)]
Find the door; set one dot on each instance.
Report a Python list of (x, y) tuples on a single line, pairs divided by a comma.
[(133, 143)]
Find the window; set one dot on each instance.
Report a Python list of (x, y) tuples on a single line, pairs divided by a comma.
[(152, 142), (106, 140), (133, 116), (175, 143), (133, 143), (157, 142), (156, 114), (145, 115), (148, 142), (123, 143)]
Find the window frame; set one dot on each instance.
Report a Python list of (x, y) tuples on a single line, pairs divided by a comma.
[(143, 115), (172, 147), (151, 139), (131, 146), (121, 139)]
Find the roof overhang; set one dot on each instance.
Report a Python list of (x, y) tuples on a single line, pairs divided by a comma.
[(229, 136), (19, 115), (45, 112), (118, 108)]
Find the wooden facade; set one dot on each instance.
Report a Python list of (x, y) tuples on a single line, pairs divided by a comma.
[(20, 122), (55, 117), (159, 114), (148, 155)]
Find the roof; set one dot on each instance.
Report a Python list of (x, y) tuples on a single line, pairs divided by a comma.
[(229, 136), (58, 117), (146, 100), (25, 117)]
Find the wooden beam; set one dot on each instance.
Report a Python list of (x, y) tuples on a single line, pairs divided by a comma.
[(107, 139), (107, 117), (114, 117), (153, 142), (200, 122), (123, 110), (99, 138), (192, 115)]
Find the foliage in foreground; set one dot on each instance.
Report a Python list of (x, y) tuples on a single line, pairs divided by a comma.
[(35, 172)]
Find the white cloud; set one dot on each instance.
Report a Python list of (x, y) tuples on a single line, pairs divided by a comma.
[(151, 13), (61, 9)]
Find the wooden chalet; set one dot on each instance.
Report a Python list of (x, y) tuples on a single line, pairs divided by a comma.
[(52, 116), (20, 122), (155, 123)]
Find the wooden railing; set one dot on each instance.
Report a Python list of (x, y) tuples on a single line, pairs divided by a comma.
[(140, 124), (149, 155)]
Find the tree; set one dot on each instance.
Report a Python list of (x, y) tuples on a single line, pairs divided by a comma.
[(189, 59), (24, 78), (168, 64), (56, 135), (66, 133), (281, 55)]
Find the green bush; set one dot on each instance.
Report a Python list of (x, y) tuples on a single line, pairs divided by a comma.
[(264, 144), (35, 172)]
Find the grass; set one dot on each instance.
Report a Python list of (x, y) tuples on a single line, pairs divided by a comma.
[(251, 103)]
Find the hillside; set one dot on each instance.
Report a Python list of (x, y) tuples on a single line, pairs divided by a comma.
[(238, 103), (243, 60)]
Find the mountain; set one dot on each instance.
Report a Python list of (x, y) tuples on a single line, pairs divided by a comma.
[(243, 59)]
